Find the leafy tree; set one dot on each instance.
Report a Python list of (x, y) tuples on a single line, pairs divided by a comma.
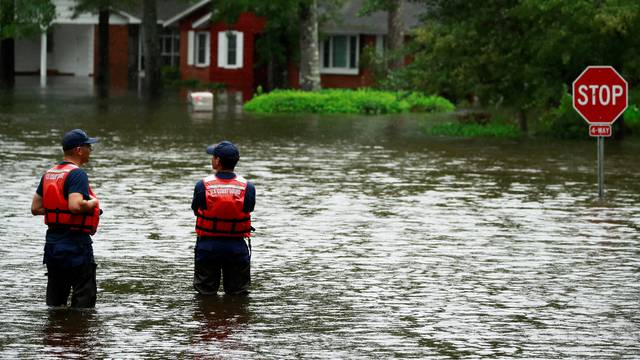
[(20, 19), (395, 26), (291, 32), (522, 53), (274, 46)]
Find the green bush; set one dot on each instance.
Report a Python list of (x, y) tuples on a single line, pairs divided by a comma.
[(632, 119), (170, 74), (420, 103), (343, 101), (562, 122), (495, 130)]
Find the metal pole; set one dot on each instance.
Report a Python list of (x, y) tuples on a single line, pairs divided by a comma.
[(43, 59), (601, 167)]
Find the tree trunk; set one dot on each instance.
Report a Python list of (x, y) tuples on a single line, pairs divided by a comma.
[(7, 49), (522, 121), (309, 55), (395, 34), (102, 74), (153, 76)]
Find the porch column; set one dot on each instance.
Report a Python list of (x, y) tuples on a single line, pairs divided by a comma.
[(43, 59)]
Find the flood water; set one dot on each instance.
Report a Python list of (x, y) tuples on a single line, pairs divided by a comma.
[(373, 240)]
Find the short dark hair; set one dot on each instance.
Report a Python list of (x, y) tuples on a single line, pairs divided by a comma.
[(228, 163)]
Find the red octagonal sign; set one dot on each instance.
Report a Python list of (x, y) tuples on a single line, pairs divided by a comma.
[(600, 94)]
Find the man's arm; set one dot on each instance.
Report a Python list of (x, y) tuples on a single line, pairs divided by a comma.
[(36, 205), (78, 205), (198, 201)]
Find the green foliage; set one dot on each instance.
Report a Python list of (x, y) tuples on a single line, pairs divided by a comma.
[(496, 130), (189, 84), (632, 119), (420, 103), (340, 101), (170, 74), (21, 19), (521, 53), (563, 121)]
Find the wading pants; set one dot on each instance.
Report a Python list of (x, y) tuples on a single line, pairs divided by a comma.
[(80, 281), (231, 259)]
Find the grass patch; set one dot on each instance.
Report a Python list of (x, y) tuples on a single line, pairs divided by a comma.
[(493, 130), (342, 101)]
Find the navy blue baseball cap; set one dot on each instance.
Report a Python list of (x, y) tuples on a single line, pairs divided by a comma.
[(75, 138), (224, 149)]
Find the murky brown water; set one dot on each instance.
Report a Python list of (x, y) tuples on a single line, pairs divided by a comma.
[(374, 240)]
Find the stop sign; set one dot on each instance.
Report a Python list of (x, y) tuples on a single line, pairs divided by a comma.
[(600, 94)]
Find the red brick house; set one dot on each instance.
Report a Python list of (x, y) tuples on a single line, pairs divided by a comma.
[(200, 49), (217, 52)]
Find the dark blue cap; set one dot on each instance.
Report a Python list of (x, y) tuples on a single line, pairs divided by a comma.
[(75, 138), (224, 149)]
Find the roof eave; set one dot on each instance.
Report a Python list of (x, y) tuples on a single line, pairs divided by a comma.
[(186, 12)]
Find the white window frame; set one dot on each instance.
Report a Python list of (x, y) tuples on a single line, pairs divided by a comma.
[(223, 50), (340, 70), (207, 48), (174, 48)]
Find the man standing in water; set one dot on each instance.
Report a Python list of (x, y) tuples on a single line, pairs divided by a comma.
[(222, 203), (71, 211)]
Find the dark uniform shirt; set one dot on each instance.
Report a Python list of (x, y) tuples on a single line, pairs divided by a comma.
[(208, 246), (66, 248)]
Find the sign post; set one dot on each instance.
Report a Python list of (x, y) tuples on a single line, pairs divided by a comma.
[(600, 97)]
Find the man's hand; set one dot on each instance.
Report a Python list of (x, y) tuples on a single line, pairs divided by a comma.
[(36, 205), (78, 205)]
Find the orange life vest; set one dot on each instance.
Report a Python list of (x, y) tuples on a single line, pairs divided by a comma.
[(56, 207), (224, 215)]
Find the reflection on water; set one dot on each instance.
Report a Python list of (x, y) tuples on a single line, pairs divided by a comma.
[(373, 241), (69, 332), (220, 316)]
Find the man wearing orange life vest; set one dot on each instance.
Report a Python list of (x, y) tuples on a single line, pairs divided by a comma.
[(72, 212), (222, 203)]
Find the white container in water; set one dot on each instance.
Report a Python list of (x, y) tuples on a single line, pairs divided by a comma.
[(200, 101)]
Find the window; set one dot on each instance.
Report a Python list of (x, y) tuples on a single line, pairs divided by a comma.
[(201, 49), (170, 49), (339, 54), (230, 49)]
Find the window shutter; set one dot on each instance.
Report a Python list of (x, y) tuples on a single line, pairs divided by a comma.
[(190, 49), (239, 49), (222, 49)]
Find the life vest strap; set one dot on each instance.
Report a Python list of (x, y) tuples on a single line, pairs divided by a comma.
[(216, 231), (56, 224), (214, 219)]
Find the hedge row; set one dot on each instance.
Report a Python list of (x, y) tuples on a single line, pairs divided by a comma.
[(346, 102)]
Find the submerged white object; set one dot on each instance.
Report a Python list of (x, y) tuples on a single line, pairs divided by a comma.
[(201, 100)]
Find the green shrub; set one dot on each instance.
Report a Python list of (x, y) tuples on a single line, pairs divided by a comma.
[(170, 75), (563, 122), (495, 130), (343, 101), (632, 119), (421, 103)]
